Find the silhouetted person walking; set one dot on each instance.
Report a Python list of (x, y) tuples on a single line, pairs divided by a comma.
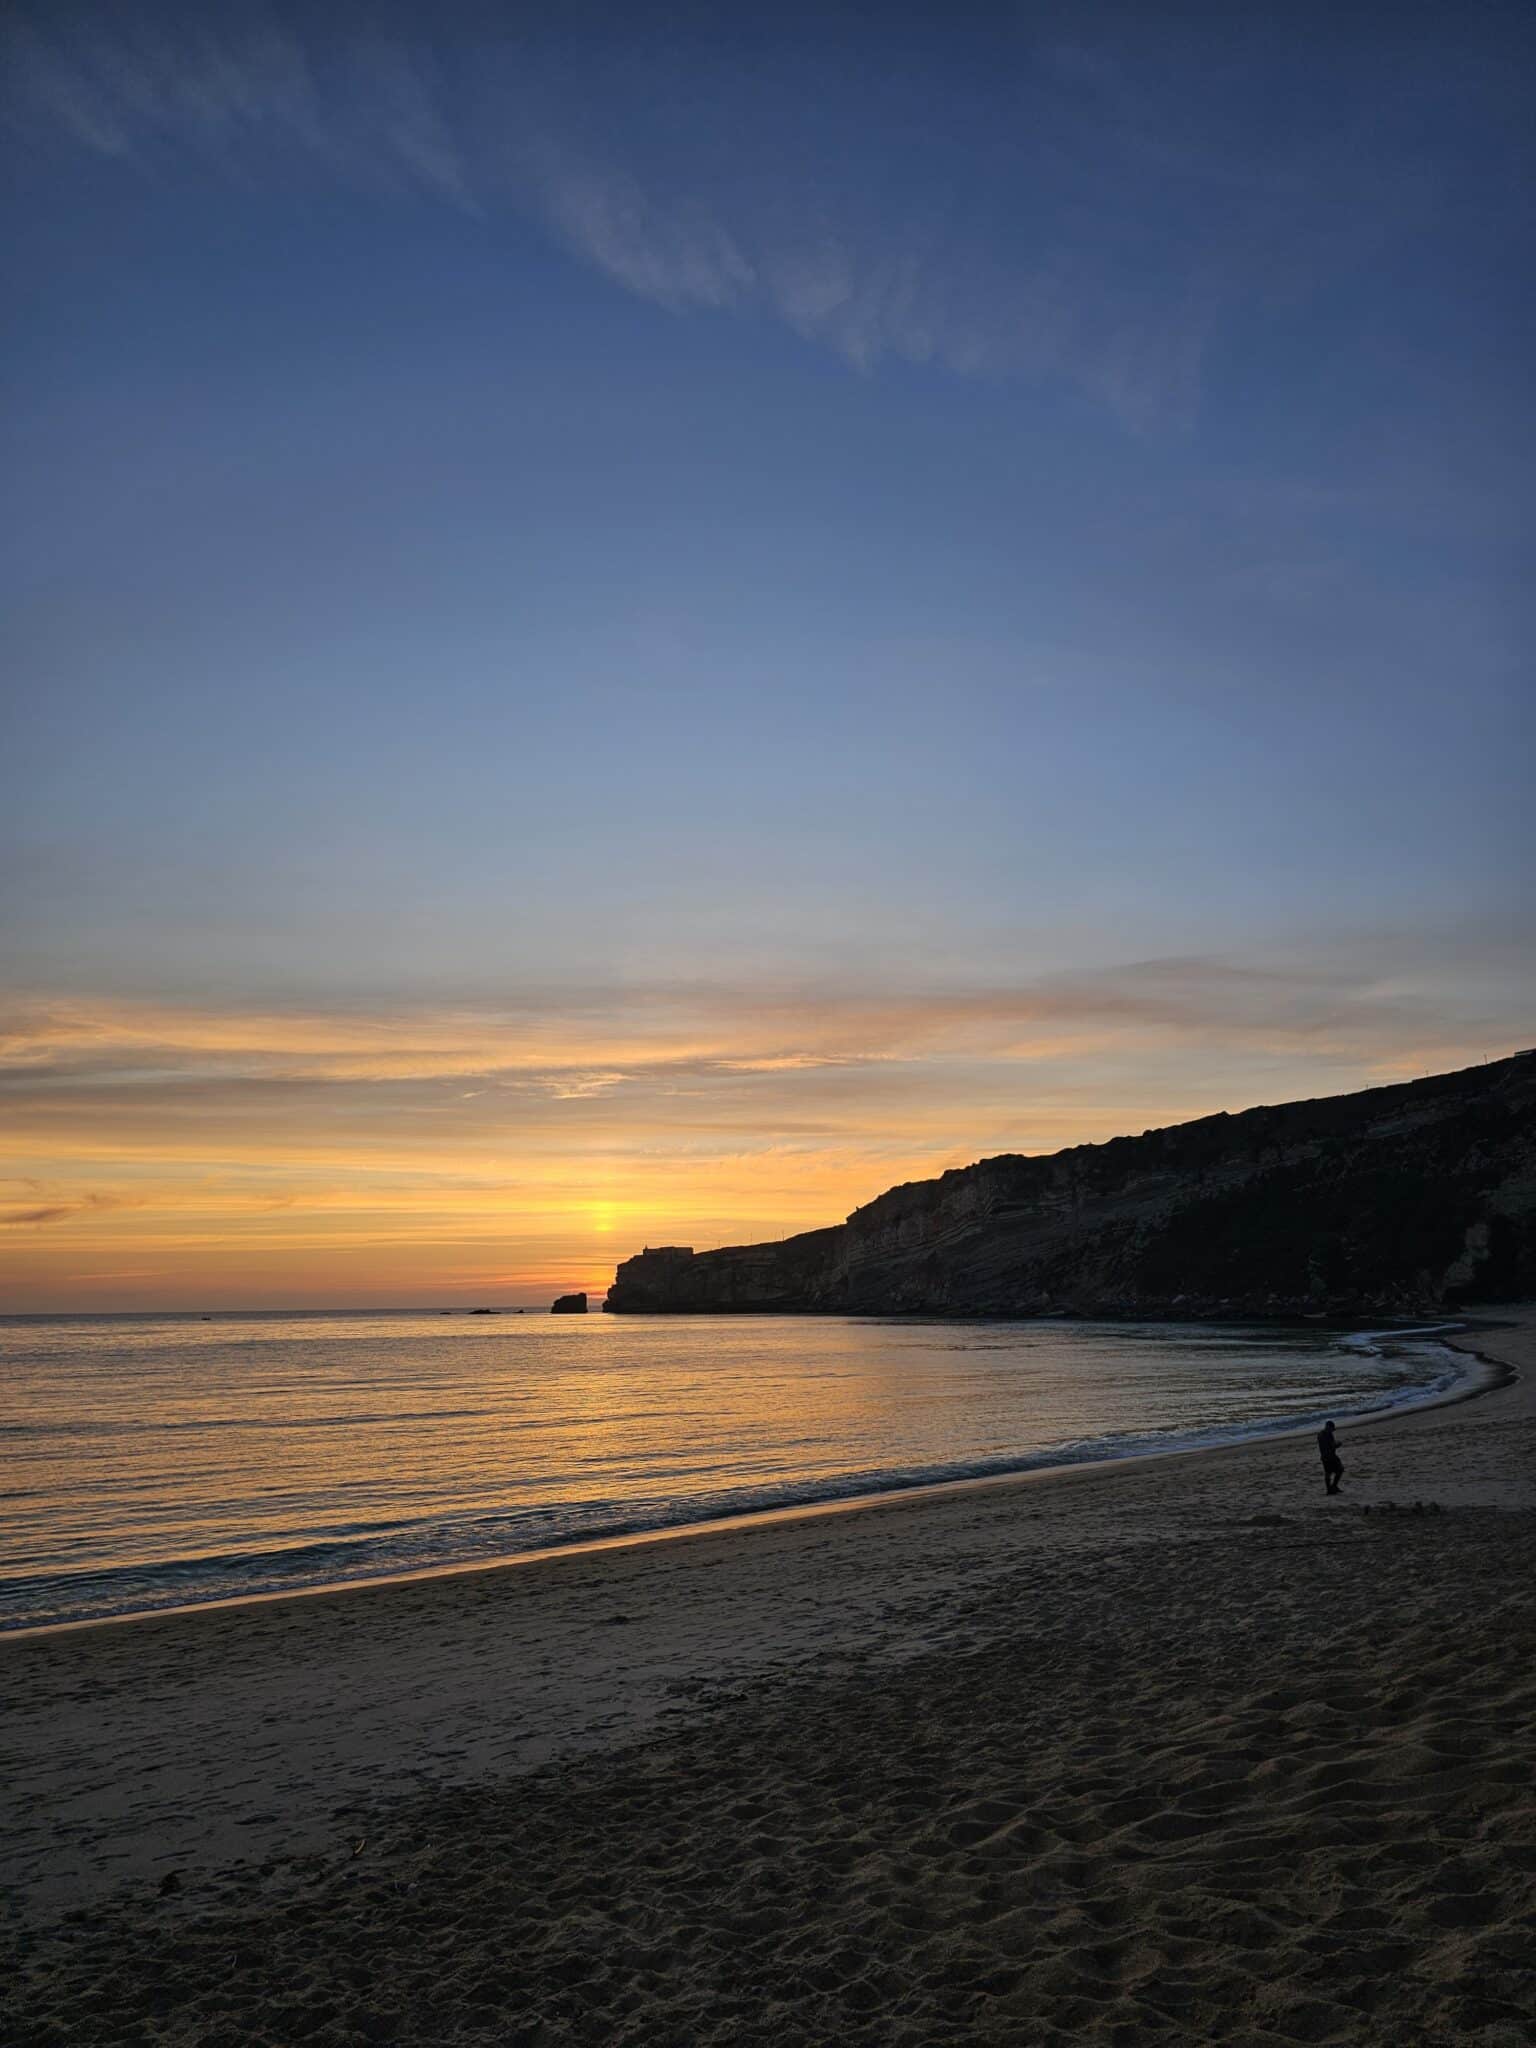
[(1333, 1464)]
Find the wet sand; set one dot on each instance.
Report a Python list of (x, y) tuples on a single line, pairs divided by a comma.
[(1179, 1750)]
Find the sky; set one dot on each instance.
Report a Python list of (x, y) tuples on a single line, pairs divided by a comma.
[(628, 625)]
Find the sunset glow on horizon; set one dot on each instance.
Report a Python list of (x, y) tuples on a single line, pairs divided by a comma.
[(158, 1156)]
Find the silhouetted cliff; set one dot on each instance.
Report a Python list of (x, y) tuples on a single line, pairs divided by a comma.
[(1392, 1200)]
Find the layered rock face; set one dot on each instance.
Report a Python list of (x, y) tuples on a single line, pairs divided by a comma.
[(673, 1279), (1391, 1201)]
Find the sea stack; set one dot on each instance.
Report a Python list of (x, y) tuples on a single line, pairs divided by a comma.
[(570, 1305)]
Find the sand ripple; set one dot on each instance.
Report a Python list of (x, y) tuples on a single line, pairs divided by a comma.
[(1267, 1785)]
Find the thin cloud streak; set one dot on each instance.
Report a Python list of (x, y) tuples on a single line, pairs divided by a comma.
[(63, 1212), (646, 1041)]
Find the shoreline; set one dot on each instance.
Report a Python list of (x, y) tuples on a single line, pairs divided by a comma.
[(1498, 1374)]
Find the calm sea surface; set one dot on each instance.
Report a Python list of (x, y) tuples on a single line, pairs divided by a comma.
[(148, 1462)]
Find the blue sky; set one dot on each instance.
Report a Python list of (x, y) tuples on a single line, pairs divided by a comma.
[(567, 519)]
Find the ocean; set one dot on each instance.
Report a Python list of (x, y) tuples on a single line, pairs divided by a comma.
[(158, 1461)]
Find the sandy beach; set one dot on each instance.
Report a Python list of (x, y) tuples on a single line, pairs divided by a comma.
[(1179, 1750)]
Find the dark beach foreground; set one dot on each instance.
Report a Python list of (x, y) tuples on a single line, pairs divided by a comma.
[(1179, 1751)]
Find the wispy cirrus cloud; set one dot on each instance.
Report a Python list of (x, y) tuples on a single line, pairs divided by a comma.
[(242, 93), (921, 286), (1069, 222), (678, 256)]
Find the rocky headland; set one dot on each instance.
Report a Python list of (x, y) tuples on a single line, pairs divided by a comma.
[(1391, 1201)]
